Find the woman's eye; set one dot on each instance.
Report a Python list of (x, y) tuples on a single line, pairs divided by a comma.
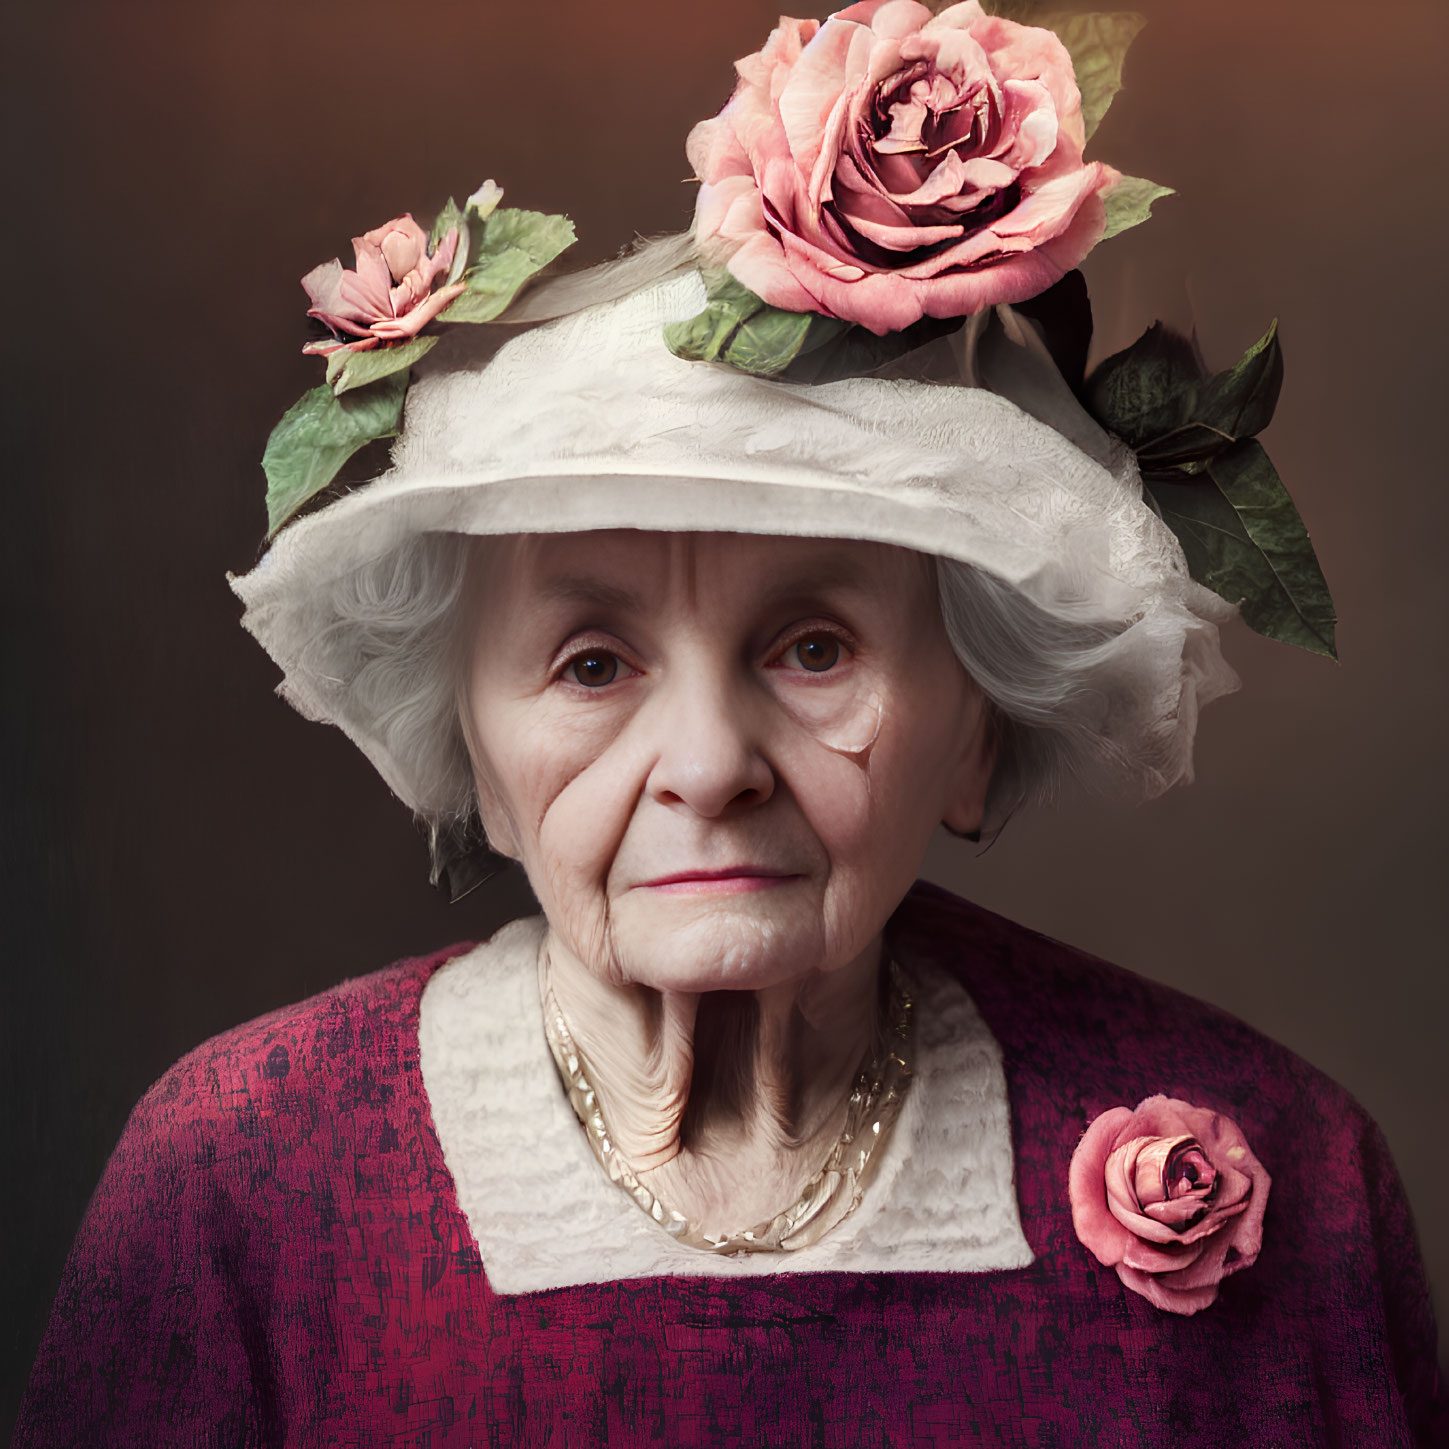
[(593, 669), (815, 652)]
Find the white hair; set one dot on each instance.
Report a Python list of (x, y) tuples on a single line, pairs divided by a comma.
[(396, 648), (1039, 673)]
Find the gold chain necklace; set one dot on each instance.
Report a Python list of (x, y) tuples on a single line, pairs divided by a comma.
[(830, 1196)]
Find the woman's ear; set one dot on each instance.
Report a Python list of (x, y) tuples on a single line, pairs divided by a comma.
[(965, 804)]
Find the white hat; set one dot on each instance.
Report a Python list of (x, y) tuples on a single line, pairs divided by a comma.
[(590, 422), (874, 330)]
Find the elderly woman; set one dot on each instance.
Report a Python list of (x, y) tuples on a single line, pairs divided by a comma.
[(707, 596)]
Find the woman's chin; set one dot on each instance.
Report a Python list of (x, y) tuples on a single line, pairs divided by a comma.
[(717, 941)]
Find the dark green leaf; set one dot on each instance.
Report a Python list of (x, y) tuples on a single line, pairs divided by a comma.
[(829, 354), (1242, 400), (347, 369), (1244, 539), (505, 250), (1159, 398), (318, 434), (1097, 43), (1138, 393)]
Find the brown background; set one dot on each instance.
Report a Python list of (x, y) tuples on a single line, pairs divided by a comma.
[(182, 852)]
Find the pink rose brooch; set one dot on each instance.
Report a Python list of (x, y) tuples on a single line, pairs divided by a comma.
[(1170, 1196)]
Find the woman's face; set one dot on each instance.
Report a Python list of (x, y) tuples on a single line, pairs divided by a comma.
[(719, 757)]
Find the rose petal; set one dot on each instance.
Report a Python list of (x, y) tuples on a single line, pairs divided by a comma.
[(1201, 1270), (396, 328), (1149, 1167), (1031, 51), (1094, 1223), (973, 178), (762, 266), (341, 322), (714, 151), (1028, 125), (1120, 1173), (1164, 1296), (898, 18), (321, 285), (368, 286), (400, 243), (447, 247), (813, 87), (401, 253), (860, 196)]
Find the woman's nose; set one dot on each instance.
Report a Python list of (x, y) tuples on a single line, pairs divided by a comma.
[(708, 754)]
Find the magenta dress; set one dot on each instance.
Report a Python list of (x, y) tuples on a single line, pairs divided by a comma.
[(276, 1256)]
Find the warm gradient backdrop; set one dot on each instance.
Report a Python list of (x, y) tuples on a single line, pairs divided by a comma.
[(182, 852)]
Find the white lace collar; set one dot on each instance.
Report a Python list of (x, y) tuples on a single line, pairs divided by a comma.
[(545, 1216)]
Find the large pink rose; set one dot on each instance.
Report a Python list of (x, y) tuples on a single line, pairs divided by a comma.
[(1170, 1196), (394, 292), (890, 164)]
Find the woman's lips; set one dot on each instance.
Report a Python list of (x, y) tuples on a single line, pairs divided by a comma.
[(731, 881)]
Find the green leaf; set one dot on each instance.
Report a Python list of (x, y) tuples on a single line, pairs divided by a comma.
[(347, 369), (767, 343), (1142, 391), (505, 250), (1242, 400), (1129, 204), (1097, 43), (445, 221), (742, 330), (1244, 540), (448, 218), (318, 434), (828, 355), (1159, 398)]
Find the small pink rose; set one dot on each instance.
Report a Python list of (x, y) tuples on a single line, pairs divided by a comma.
[(394, 292), (889, 164), (1170, 1196)]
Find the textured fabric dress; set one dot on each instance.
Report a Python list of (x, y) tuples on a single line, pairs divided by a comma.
[(276, 1255)]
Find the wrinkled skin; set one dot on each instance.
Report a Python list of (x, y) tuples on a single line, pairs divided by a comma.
[(787, 712)]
